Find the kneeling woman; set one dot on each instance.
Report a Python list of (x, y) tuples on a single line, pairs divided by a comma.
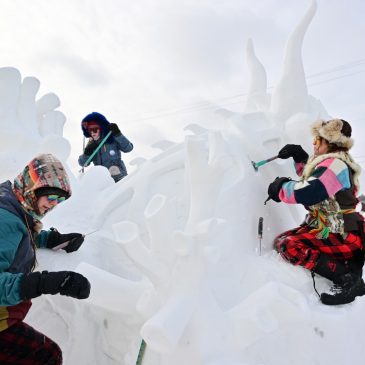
[(330, 241)]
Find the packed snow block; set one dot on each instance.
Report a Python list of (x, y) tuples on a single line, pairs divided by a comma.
[(127, 234), (159, 220), (164, 330), (269, 309), (110, 291)]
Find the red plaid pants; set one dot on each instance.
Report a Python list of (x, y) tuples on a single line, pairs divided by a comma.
[(21, 344), (300, 247)]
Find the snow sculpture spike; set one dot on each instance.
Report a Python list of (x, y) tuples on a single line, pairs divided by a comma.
[(10, 81), (27, 112), (31, 126), (290, 95), (205, 178), (257, 98)]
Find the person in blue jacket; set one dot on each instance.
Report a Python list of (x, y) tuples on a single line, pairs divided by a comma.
[(41, 186), (95, 127)]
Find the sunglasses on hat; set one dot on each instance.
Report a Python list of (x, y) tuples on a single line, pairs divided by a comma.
[(56, 198), (93, 130)]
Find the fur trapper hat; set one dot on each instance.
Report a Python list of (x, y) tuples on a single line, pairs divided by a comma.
[(336, 131)]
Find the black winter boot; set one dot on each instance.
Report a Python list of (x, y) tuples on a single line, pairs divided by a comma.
[(348, 283), (346, 288)]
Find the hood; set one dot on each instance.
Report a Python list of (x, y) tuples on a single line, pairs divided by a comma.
[(99, 119), (44, 171)]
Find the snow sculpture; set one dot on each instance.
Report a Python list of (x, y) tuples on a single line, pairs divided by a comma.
[(290, 95), (257, 99), (186, 220), (178, 265), (31, 126)]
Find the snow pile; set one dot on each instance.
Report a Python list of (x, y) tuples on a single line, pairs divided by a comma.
[(172, 251)]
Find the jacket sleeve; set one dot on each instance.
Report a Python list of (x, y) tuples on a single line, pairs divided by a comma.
[(41, 239), (328, 178), (83, 158), (123, 143), (10, 236)]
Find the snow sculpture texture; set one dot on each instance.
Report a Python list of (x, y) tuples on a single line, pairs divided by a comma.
[(175, 259), (32, 126)]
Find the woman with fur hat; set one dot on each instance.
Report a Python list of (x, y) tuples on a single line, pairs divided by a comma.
[(95, 127), (330, 241), (41, 186)]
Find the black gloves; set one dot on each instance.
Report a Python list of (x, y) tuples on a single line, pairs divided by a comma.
[(293, 150), (91, 147), (69, 242), (275, 186), (69, 283), (114, 129)]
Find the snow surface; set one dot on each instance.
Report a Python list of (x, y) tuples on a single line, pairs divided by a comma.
[(172, 251)]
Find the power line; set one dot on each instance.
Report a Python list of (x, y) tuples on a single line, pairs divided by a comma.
[(209, 104), (336, 78)]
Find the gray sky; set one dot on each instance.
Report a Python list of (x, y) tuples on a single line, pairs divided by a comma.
[(133, 60)]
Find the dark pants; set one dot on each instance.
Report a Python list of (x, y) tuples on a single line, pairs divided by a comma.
[(21, 344), (301, 247)]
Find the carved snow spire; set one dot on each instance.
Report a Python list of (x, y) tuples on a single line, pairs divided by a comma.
[(257, 98), (290, 95)]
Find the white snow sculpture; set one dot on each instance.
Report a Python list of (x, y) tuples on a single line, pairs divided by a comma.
[(105, 285), (290, 94), (31, 127), (187, 221), (257, 99), (179, 265)]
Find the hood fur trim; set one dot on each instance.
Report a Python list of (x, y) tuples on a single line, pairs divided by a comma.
[(331, 132), (313, 161)]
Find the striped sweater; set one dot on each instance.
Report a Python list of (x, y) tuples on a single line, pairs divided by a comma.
[(328, 187), (328, 177)]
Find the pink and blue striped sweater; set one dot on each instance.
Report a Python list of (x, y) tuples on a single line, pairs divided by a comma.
[(327, 178)]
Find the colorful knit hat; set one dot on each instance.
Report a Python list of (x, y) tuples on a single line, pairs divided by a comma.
[(336, 131), (44, 175)]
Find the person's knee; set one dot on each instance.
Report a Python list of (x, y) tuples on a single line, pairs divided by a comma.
[(52, 352), (280, 244), (117, 173)]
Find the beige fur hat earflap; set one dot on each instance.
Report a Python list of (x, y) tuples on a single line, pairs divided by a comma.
[(336, 131)]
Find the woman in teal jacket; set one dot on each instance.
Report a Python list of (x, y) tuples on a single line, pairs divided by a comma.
[(38, 189)]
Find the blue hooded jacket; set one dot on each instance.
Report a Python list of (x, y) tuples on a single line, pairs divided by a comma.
[(109, 155)]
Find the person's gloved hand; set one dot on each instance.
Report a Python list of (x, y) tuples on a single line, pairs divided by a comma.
[(274, 188), (91, 147), (69, 283), (114, 129), (69, 242), (293, 150)]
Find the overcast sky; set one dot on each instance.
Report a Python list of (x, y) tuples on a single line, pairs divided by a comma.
[(133, 60)]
